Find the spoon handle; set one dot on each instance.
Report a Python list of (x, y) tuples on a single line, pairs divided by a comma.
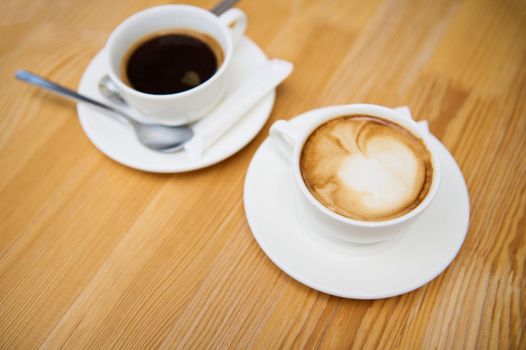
[(223, 6), (63, 91)]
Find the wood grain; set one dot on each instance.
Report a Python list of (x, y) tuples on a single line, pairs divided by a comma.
[(96, 255)]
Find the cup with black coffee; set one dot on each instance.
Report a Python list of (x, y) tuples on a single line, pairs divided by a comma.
[(171, 62), (365, 172)]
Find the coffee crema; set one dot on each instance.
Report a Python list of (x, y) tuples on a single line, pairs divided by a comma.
[(171, 61), (366, 168)]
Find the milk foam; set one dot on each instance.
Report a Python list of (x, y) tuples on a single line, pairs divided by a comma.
[(366, 168)]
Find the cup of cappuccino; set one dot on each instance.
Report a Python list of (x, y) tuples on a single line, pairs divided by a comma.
[(171, 62), (365, 171)]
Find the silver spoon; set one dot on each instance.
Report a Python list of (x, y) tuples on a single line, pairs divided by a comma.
[(222, 6), (156, 137), (111, 91)]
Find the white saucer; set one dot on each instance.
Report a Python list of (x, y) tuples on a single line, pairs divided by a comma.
[(119, 143), (275, 214)]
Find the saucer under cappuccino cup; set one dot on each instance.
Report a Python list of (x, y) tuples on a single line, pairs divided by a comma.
[(172, 62), (365, 172)]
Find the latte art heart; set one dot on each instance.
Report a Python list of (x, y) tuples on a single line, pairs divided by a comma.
[(366, 168)]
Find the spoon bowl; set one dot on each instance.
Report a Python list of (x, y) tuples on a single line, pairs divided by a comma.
[(166, 139), (159, 138)]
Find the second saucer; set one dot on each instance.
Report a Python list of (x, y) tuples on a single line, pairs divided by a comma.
[(278, 223)]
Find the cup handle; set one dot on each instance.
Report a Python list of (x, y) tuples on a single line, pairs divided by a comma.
[(284, 137), (406, 112), (236, 21)]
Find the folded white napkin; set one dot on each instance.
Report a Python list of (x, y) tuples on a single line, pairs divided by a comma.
[(234, 107)]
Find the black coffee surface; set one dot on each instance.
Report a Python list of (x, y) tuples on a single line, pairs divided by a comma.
[(171, 63)]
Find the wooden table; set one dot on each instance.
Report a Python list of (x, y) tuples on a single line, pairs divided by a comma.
[(96, 255)]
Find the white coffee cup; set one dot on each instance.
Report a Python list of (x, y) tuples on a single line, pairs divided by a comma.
[(289, 141), (190, 105)]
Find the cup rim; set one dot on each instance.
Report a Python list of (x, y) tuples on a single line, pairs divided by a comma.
[(227, 54), (332, 112)]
